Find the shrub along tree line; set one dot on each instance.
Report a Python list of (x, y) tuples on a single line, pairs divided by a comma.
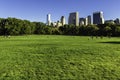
[(13, 26)]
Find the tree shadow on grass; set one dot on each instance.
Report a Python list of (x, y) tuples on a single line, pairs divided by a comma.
[(111, 42)]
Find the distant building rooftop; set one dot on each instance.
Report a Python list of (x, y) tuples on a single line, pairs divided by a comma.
[(97, 12)]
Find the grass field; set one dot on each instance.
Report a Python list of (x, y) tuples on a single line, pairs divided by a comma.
[(49, 57)]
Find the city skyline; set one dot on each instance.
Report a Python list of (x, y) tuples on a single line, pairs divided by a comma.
[(74, 19), (36, 10)]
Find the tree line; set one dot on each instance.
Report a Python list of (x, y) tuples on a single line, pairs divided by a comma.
[(14, 26)]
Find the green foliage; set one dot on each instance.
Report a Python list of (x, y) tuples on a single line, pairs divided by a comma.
[(117, 30), (108, 31), (85, 30), (59, 58), (13, 26)]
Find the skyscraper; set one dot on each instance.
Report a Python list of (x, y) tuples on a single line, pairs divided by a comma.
[(89, 19), (98, 18), (48, 19), (117, 21), (86, 21), (63, 20), (82, 21), (74, 18)]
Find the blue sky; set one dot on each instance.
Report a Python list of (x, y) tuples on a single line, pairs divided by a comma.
[(36, 10)]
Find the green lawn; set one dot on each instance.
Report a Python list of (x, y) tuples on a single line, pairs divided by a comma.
[(50, 57)]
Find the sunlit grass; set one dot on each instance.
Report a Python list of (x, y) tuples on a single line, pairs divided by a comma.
[(50, 57)]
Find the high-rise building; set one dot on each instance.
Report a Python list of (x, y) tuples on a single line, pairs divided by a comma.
[(74, 18), (63, 20), (117, 21), (82, 21), (86, 21), (98, 18), (49, 19), (89, 19)]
